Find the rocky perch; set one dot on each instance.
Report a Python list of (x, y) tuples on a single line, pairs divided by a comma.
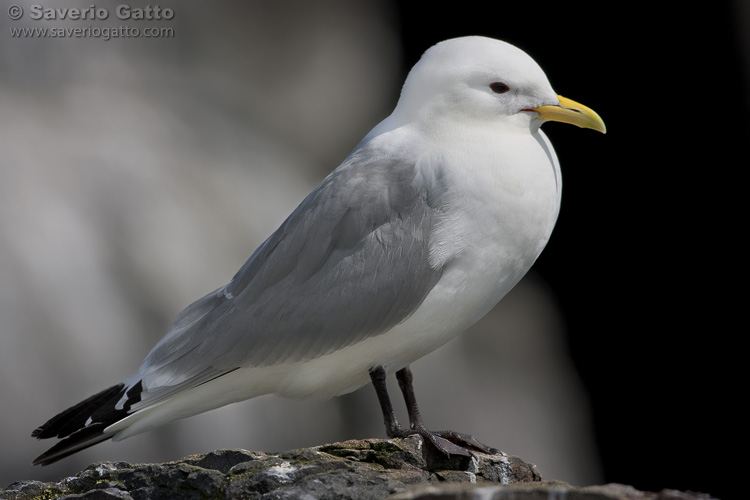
[(398, 469)]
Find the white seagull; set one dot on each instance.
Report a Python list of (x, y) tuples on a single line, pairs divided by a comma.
[(437, 213)]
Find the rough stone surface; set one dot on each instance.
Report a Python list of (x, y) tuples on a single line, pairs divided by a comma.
[(544, 490), (367, 469)]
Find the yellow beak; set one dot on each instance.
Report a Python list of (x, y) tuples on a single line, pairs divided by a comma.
[(569, 111)]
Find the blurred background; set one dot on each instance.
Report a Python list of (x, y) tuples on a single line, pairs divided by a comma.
[(137, 174)]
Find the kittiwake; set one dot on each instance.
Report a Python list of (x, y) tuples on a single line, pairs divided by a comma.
[(434, 216)]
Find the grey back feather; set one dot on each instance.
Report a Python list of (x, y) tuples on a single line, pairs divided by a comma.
[(350, 262)]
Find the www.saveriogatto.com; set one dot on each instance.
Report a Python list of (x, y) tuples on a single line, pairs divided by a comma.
[(46, 16)]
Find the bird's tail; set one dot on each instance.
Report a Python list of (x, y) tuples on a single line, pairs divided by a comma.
[(84, 424)]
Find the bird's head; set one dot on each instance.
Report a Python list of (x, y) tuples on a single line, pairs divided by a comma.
[(486, 81)]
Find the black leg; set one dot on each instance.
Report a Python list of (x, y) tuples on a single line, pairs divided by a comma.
[(392, 427), (405, 379), (448, 442)]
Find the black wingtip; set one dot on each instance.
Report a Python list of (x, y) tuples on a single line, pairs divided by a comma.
[(80, 440), (67, 422), (83, 425)]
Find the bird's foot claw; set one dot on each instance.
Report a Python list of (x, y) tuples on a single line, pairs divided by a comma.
[(445, 446), (465, 442), (451, 442)]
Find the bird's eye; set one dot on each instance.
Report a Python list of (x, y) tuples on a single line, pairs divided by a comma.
[(499, 87)]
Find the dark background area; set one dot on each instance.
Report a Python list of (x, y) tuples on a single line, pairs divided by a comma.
[(645, 257)]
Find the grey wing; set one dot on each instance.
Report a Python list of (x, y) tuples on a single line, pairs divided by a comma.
[(349, 263)]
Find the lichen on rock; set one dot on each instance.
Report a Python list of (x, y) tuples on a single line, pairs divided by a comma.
[(366, 469)]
